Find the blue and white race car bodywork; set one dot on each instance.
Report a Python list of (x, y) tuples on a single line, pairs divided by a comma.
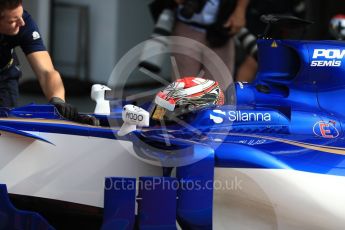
[(281, 149)]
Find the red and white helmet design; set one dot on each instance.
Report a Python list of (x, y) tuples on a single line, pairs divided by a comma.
[(337, 26), (190, 93)]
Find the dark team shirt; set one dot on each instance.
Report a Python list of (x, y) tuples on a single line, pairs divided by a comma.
[(28, 38)]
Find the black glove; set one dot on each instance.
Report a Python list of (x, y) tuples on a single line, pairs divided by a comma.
[(70, 112), (89, 120), (66, 110)]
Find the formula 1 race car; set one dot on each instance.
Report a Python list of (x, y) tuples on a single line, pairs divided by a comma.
[(272, 160)]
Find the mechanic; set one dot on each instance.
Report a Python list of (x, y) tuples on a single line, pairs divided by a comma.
[(17, 28), (214, 26), (212, 23)]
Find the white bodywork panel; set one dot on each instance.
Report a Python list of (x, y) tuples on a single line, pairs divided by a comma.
[(73, 169), (264, 199)]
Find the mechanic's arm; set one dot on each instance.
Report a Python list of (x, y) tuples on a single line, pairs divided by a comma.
[(237, 19), (53, 89), (48, 77), (51, 83)]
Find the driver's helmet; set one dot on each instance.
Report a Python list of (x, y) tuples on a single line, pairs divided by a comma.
[(187, 95), (337, 26)]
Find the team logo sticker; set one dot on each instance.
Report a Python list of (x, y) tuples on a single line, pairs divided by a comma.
[(326, 129), (219, 116), (328, 57), (35, 35)]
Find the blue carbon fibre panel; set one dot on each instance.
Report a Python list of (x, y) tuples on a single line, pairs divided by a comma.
[(240, 156), (195, 203), (60, 128), (12, 218), (157, 203), (258, 152), (32, 110), (119, 203)]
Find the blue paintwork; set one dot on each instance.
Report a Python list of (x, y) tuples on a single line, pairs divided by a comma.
[(119, 203), (46, 111), (157, 203), (195, 203), (12, 218)]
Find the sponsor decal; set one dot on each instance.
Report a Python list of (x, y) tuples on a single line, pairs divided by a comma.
[(35, 35), (274, 44), (333, 57), (218, 116), (325, 129), (134, 116), (252, 142)]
